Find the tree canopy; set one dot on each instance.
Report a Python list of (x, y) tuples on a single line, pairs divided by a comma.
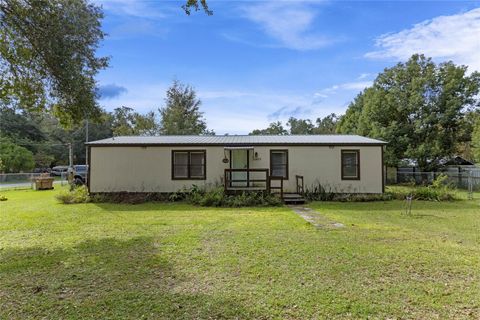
[(196, 5), (127, 122), (275, 128), (47, 140), (41, 135), (418, 107), (476, 139), (325, 125), (48, 56), (14, 158), (300, 126), (19, 126), (181, 114)]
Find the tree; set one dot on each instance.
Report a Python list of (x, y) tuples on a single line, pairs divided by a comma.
[(21, 128), (15, 158), (47, 140), (196, 4), (327, 125), (275, 128), (43, 159), (147, 124), (48, 60), (19, 125), (181, 114), (465, 147), (300, 126), (476, 140), (127, 122), (418, 107), (96, 131)]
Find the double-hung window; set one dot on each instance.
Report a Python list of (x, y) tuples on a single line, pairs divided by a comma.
[(279, 163), (189, 164), (350, 165)]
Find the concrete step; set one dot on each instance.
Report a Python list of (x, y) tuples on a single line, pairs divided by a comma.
[(292, 195), (293, 198), (294, 201)]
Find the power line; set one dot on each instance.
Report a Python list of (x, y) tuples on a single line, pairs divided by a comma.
[(42, 144)]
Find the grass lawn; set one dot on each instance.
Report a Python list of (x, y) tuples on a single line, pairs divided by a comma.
[(108, 261)]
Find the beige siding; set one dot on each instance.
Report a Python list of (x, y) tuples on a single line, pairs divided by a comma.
[(148, 169), (322, 165)]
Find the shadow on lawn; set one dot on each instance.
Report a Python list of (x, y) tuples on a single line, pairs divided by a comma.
[(176, 206), (106, 278), (149, 206), (394, 205)]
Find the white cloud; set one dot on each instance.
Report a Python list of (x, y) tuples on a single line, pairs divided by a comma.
[(139, 9), (288, 22), (364, 76), (135, 18), (230, 110), (320, 95), (348, 86), (360, 85), (455, 37), (287, 112), (241, 110)]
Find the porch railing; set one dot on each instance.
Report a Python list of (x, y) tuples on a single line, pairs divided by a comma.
[(252, 180), (276, 187), (300, 186), (247, 179)]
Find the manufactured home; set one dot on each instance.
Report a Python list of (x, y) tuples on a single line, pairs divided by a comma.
[(285, 164)]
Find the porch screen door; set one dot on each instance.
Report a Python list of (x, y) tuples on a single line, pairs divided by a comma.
[(239, 160)]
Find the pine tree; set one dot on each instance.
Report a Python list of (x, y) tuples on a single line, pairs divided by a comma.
[(181, 114)]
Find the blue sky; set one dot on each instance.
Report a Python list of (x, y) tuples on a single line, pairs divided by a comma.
[(254, 62)]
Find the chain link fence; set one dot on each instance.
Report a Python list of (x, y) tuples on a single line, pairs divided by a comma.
[(468, 179), (25, 180)]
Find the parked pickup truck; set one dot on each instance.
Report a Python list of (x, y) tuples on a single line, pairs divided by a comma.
[(79, 174), (59, 170)]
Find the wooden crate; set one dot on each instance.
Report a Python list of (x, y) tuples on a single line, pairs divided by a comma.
[(43, 183)]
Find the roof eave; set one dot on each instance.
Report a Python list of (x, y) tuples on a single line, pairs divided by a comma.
[(95, 144)]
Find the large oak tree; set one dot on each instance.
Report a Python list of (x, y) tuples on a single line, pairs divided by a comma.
[(418, 107), (48, 56), (476, 139), (48, 59)]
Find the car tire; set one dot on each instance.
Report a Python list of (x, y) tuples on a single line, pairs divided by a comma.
[(78, 182)]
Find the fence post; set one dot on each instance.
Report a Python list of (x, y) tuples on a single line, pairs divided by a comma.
[(470, 185)]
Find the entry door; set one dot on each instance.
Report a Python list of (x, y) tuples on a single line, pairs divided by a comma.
[(239, 160)]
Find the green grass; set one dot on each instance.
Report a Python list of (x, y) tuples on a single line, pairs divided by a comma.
[(108, 261), (461, 194)]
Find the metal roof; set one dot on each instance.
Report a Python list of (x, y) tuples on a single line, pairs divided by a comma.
[(240, 140)]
